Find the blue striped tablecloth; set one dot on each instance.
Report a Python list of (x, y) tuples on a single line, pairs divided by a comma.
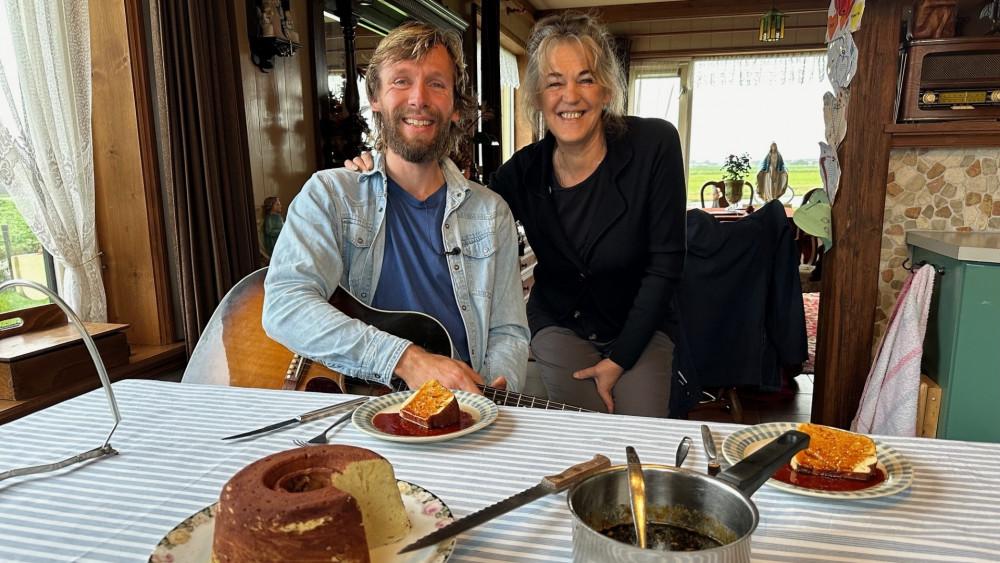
[(172, 464)]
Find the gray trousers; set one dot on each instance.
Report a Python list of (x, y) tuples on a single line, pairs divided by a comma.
[(643, 390)]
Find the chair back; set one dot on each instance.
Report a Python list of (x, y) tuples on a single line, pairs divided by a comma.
[(718, 197)]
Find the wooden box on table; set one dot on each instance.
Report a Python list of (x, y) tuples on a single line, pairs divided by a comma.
[(43, 351)]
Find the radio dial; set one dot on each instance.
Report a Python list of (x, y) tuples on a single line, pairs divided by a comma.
[(995, 96), (929, 97)]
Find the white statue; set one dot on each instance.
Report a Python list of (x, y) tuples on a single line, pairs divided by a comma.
[(772, 179)]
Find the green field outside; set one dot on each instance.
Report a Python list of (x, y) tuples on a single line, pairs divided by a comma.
[(801, 177)]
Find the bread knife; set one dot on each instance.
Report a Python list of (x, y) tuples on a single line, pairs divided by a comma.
[(307, 417), (549, 485)]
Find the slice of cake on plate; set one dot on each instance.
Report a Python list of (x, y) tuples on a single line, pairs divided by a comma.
[(432, 406), (835, 453)]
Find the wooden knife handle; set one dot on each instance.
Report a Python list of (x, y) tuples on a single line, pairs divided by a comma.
[(575, 474)]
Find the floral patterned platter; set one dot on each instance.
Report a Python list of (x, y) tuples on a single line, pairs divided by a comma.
[(191, 540)]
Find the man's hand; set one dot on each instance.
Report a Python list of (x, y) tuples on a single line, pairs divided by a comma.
[(605, 374), (417, 366), (362, 163)]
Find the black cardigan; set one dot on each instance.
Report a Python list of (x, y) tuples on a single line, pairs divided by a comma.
[(624, 288), (741, 300)]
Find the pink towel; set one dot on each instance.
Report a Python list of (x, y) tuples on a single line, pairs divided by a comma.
[(889, 402)]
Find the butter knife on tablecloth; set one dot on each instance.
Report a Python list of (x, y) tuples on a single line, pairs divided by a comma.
[(309, 416), (549, 486)]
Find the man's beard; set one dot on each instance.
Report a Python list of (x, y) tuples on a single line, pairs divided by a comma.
[(416, 151)]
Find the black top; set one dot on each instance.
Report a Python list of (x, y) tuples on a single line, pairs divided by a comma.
[(623, 288)]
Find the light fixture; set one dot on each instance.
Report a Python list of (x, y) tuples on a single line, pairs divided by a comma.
[(772, 25), (484, 138)]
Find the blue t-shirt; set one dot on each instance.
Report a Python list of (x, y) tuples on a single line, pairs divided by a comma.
[(415, 268)]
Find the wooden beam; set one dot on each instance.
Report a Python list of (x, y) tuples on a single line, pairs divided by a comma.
[(725, 51), (699, 9), (849, 290), (129, 221)]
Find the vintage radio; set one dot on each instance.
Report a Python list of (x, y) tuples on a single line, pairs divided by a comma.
[(949, 79)]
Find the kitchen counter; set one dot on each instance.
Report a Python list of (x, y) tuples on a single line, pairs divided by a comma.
[(968, 246)]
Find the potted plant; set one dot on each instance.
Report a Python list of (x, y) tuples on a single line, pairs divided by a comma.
[(736, 168)]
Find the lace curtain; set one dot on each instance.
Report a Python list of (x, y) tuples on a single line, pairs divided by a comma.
[(46, 155), (508, 67), (760, 70)]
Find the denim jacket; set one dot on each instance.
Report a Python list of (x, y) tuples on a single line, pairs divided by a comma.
[(334, 234)]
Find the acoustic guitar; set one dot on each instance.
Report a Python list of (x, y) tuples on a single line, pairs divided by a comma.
[(234, 349)]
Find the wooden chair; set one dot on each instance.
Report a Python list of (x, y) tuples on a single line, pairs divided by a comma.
[(718, 197), (928, 407)]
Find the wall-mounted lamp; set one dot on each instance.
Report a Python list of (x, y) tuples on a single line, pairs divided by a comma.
[(272, 32), (515, 7), (772, 25)]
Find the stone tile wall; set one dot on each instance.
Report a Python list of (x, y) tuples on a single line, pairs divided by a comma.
[(933, 189)]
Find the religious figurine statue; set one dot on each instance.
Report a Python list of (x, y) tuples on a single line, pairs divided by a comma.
[(267, 11), (772, 178)]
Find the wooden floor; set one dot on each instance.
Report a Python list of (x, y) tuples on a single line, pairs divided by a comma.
[(787, 406)]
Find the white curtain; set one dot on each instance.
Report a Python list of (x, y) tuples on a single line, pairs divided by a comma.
[(46, 154), (760, 70), (508, 67)]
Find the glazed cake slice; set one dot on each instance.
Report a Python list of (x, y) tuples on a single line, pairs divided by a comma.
[(432, 406), (835, 453)]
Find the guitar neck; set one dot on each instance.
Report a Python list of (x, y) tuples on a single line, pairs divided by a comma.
[(506, 398), (501, 397)]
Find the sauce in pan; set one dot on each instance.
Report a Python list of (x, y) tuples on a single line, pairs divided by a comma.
[(392, 423), (817, 483), (663, 537)]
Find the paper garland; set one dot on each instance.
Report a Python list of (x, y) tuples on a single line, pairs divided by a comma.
[(829, 169), (835, 115)]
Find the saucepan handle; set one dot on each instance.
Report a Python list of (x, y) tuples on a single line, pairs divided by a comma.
[(750, 473)]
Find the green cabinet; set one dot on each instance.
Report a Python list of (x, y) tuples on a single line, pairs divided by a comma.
[(962, 344)]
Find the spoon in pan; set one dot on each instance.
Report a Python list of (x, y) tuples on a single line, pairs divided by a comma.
[(637, 495)]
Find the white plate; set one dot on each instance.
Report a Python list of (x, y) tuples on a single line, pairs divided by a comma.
[(898, 471), (483, 411), (191, 540)]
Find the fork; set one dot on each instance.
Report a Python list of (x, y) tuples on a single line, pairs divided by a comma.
[(322, 439)]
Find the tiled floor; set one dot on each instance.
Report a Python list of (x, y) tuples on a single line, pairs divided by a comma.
[(765, 407)]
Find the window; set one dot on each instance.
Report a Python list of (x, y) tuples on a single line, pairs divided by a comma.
[(739, 105), (509, 81), (21, 255), (656, 90)]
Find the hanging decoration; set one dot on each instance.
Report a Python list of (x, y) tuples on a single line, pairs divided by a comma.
[(835, 115), (772, 25)]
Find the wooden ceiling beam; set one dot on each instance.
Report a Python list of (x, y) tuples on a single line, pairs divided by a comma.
[(688, 9)]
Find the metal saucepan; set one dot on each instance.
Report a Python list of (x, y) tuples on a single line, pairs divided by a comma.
[(712, 516)]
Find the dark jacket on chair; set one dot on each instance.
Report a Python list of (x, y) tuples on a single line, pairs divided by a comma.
[(741, 300)]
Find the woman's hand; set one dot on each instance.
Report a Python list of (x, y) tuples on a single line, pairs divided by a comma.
[(605, 374), (362, 163)]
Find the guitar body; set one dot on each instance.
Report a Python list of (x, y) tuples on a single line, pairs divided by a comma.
[(234, 350)]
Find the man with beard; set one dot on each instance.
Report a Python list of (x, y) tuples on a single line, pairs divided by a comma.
[(412, 234)]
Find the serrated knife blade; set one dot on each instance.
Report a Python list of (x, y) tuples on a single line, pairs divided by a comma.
[(549, 485)]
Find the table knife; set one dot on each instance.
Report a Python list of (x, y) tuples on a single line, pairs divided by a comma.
[(307, 417), (713, 456), (549, 485)]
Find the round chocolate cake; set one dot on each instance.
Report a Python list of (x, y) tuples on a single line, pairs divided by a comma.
[(319, 503)]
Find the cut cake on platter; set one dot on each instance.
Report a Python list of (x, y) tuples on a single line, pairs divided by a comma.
[(835, 453)]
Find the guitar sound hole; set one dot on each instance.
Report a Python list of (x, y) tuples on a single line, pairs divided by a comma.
[(323, 385)]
